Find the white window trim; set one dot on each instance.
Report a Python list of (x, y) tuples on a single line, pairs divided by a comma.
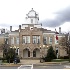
[(17, 38), (27, 39), (12, 40), (46, 40), (49, 40)]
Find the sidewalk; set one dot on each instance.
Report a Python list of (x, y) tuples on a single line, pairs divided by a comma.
[(11, 64), (44, 63), (53, 63)]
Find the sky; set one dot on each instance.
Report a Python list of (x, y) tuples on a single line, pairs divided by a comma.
[(52, 13)]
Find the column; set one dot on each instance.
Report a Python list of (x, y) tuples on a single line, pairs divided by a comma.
[(31, 53), (40, 51)]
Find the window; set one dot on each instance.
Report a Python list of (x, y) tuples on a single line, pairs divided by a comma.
[(12, 40), (26, 39), (31, 20), (50, 40), (45, 40), (17, 40), (36, 39), (6, 41)]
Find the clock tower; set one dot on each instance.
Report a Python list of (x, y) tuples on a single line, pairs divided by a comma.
[(32, 17)]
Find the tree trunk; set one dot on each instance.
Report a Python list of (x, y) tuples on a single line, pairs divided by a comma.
[(69, 53)]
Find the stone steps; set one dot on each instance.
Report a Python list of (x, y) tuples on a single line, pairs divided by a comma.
[(31, 58), (29, 61)]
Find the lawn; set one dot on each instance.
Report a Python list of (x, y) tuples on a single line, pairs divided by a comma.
[(59, 60), (5, 61)]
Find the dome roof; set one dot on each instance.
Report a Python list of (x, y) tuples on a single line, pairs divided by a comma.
[(32, 13)]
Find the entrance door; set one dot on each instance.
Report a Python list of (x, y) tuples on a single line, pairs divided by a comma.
[(28, 53), (34, 53)]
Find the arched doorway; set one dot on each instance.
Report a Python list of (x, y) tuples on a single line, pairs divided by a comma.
[(26, 53), (36, 52)]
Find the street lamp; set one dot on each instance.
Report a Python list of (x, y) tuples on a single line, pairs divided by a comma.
[(47, 46), (10, 47), (40, 47), (43, 46)]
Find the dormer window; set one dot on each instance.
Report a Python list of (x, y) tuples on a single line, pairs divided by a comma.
[(31, 20)]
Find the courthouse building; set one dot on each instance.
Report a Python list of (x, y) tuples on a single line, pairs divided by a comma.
[(31, 40)]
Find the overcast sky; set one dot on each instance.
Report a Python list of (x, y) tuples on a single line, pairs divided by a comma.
[(52, 13)]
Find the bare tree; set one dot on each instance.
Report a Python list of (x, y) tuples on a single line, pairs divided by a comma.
[(5, 48), (64, 42)]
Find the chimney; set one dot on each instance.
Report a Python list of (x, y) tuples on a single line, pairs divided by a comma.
[(19, 26), (59, 30), (3, 30), (10, 28), (55, 29)]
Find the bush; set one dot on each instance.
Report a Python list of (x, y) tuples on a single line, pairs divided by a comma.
[(47, 59), (4, 61), (64, 57), (11, 60), (1, 58), (61, 57), (50, 55)]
